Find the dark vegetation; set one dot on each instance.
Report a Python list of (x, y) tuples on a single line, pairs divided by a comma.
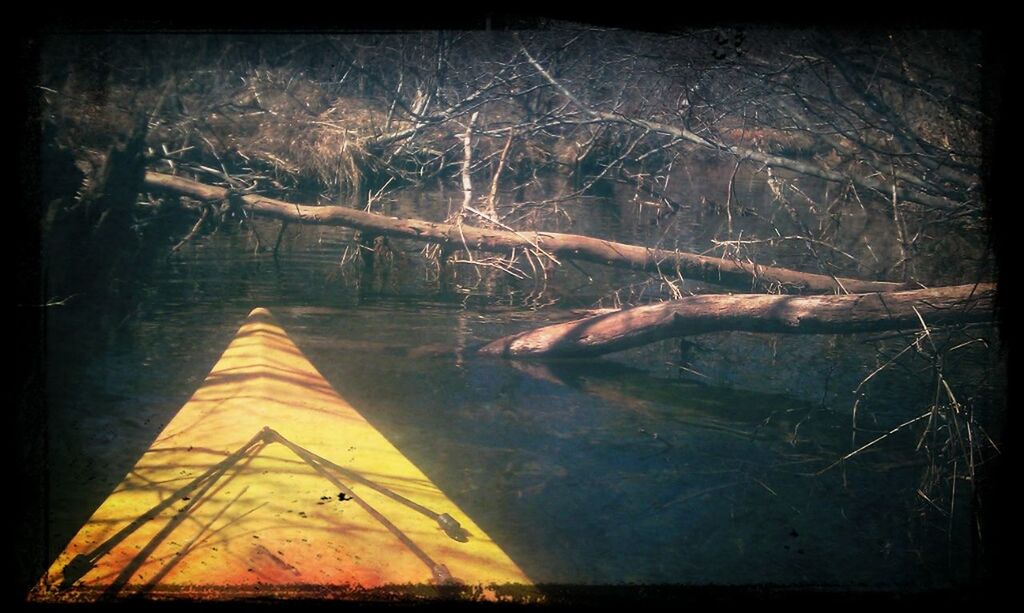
[(895, 120), (870, 144)]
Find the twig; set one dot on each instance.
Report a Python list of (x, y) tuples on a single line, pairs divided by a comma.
[(880, 438), (372, 197), (534, 244), (775, 239), (467, 160), (900, 236), (492, 205), (921, 493), (729, 191), (51, 302), (515, 272), (280, 235), (195, 230)]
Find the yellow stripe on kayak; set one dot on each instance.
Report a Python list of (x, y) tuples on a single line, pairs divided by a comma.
[(239, 497)]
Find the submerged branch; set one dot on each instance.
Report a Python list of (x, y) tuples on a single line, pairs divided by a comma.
[(570, 246)]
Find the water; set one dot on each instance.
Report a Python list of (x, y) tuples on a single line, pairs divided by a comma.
[(601, 472), (625, 470)]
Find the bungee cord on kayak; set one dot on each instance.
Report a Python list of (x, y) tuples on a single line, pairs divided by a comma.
[(440, 571), (84, 562)]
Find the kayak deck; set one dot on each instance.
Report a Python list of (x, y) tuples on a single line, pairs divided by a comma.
[(268, 484)]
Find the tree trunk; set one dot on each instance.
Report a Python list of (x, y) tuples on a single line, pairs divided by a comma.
[(572, 246), (629, 328)]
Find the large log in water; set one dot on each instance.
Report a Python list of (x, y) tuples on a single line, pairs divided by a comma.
[(571, 246), (629, 328)]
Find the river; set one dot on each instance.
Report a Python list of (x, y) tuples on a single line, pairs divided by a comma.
[(612, 471)]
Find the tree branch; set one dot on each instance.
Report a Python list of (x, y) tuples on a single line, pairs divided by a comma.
[(715, 270), (853, 313)]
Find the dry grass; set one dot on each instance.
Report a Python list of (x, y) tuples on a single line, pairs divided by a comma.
[(267, 129)]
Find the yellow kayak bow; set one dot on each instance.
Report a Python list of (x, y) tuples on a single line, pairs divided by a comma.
[(268, 484)]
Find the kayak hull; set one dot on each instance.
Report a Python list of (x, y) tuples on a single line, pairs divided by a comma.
[(268, 484)]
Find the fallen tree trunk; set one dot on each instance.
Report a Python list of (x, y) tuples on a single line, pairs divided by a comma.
[(629, 328), (573, 246)]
